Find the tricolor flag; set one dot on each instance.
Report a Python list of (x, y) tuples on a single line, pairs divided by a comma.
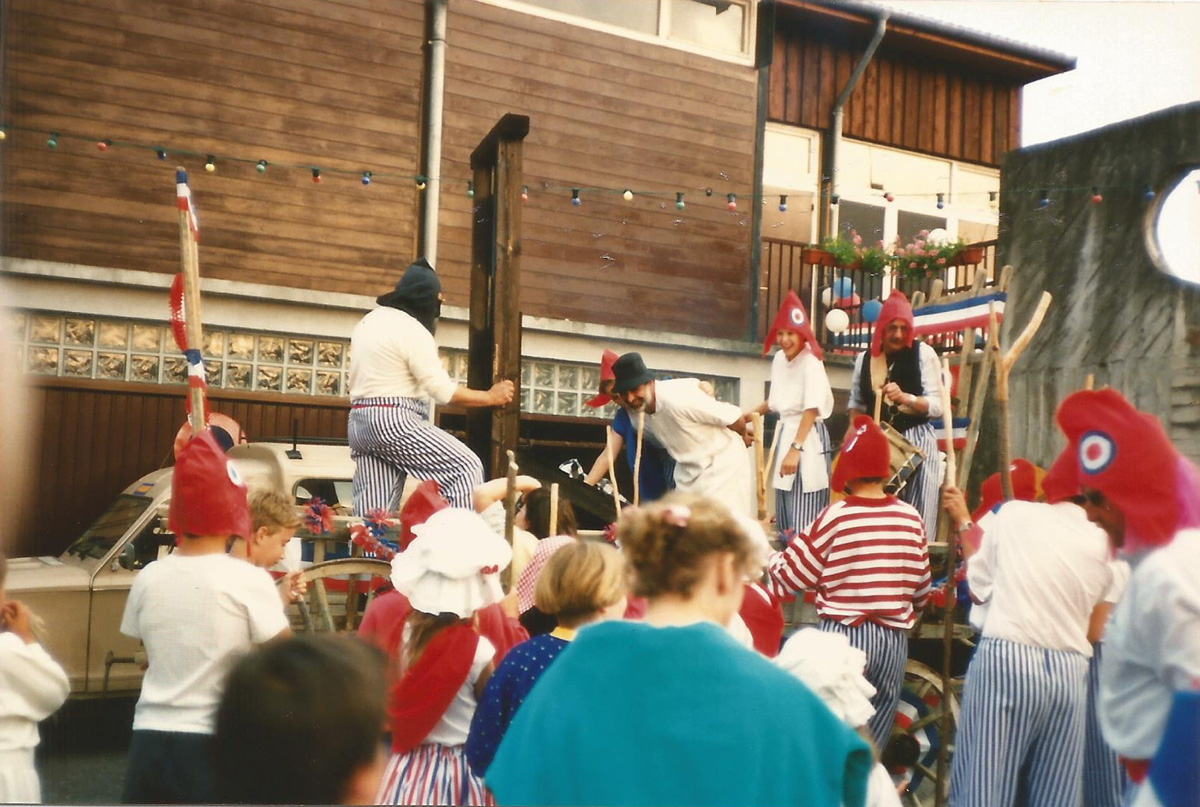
[(960, 433), (183, 200), (971, 312)]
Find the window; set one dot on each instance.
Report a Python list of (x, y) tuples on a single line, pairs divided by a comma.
[(909, 225), (865, 220), (716, 27)]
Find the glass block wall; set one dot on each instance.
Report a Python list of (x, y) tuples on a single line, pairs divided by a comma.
[(113, 349)]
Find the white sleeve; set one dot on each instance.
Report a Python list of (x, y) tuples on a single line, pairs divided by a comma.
[(264, 608), (485, 651), (855, 380), (931, 371), (133, 605), (426, 367), (33, 676), (818, 394), (1119, 570), (981, 568), (694, 405)]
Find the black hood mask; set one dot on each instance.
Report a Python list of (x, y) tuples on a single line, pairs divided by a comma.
[(416, 294)]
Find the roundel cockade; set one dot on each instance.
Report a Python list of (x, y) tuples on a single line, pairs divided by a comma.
[(235, 476), (797, 317), (1096, 452)]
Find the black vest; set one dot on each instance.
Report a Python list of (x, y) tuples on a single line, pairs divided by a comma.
[(904, 368)]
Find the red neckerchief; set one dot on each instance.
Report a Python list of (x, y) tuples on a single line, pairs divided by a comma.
[(425, 692)]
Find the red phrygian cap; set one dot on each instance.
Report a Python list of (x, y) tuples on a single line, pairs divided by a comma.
[(208, 496), (793, 317), (1026, 479), (606, 374), (896, 306), (422, 503), (866, 454)]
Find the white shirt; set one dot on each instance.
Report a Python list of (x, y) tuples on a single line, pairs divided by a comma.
[(1044, 567), (455, 724), (392, 355), (1151, 647), (32, 687), (196, 614), (931, 369), (797, 386)]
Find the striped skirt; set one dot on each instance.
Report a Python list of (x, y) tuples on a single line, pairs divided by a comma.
[(1021, 728), (391, 438), (795, 509), (921, 491), (432, 774), (887, 655)]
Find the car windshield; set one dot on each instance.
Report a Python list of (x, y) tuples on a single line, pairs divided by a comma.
[(108, 529)]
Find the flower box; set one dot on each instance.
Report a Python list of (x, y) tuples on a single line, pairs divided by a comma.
[(817, 257)]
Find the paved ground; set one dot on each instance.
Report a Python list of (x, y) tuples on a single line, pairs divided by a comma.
[(82, 755)]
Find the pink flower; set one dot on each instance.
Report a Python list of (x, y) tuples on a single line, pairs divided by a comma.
[(923, 234), (941, 261), (912, 265), (857, 240)]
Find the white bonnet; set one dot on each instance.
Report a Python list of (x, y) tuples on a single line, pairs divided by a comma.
[(833, 670), (453, 565)]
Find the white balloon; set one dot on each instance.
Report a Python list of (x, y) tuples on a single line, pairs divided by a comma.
[(837, 320), (827, 296), (938, 236)]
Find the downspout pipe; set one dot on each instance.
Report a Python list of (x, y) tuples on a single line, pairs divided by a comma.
[(431, 135), (836, 120)]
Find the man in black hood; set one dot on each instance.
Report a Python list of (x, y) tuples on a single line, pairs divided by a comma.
[(394, 370)]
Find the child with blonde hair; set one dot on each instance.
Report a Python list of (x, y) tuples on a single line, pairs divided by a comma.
[(273, 525)]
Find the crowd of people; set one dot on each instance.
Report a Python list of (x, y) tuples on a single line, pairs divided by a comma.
[(652, 668)]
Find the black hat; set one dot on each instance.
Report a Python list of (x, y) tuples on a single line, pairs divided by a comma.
[(630, 372), (416, 293)]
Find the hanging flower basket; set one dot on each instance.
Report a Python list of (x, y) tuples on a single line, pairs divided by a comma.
[(817, 257), (968, 256)]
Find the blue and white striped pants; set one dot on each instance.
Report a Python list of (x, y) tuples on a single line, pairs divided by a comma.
[(795, 509), (887, 653), (1104, 779), (922, 488), (1021, 728), (391, 438)]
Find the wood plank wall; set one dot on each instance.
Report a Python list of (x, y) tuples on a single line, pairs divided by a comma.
[(900, 101), (97, 438), (334, 84), (607, 111)]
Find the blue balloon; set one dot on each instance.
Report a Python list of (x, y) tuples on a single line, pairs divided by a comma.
[(870, 310), (843, 287)]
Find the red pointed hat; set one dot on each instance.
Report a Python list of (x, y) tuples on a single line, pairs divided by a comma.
[(865, 454), (896, 306), (422, 503), (793, 317), (606, 374), (1025, 487), (208, 496), (1124, 454)]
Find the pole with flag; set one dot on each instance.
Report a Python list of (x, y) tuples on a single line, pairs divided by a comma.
[(185, 303)]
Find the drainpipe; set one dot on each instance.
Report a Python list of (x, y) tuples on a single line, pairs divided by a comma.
[(431, 134), (835, 124)]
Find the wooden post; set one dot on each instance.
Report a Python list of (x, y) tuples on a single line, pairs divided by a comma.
[(612, 470), (978, 396), (510, 516), (494, 347), (189, 259), (1003, 367), (637, 459), (1090, 381), (760, 474), (554, 509), (769, 465)]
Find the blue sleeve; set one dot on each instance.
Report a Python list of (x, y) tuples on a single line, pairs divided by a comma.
[(505, 691)]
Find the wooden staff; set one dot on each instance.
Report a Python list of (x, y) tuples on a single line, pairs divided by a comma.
[(760, 472), (189, 259), (1003, 366), (637, 459), (948, 421), (612, 471), (977, 397), (769, 465), (1090, 381), (554, 509), (510, 515), (951, 537)]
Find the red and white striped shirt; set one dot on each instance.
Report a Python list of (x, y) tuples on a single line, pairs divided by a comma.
[(865, 558)]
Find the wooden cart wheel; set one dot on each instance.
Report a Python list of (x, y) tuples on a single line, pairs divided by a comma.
[(335, 588), (916, 734)]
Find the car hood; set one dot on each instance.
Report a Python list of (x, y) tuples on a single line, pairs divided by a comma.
[(27, 575)]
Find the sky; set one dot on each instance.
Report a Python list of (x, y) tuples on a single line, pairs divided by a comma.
[(1132, 57)]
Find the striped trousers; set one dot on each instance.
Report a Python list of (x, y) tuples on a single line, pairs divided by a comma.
[(391, 438), (795, 509), (1021, 728), (887, 653), (921, 491), (1104, 779)]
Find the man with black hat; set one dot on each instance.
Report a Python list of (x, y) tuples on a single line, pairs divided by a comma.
[(706, 438), (394, 370)]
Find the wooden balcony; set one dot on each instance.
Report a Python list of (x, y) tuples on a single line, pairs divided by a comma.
[(784, 269)]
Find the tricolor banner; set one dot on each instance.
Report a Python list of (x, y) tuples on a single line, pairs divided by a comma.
[(183, 200), (971, 312), (960, 433)]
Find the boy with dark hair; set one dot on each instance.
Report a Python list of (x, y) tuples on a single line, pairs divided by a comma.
[(195, 611), (316, 702)]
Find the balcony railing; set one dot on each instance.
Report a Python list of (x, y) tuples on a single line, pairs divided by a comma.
[(784, 269)]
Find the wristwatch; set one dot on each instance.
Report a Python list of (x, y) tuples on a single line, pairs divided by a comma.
[(797, 446)]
